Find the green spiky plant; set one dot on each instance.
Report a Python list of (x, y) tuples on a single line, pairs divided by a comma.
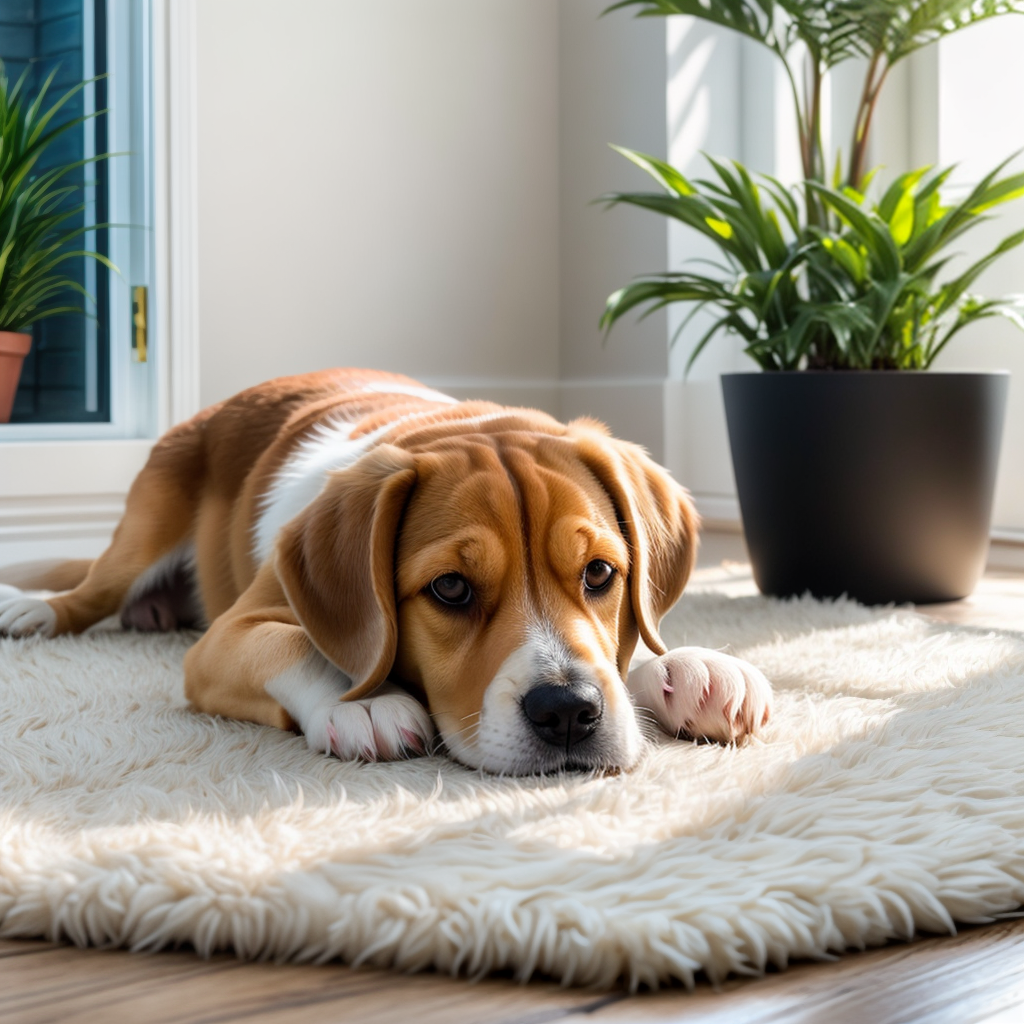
[(845, 282), (38, 217), (866, 293)]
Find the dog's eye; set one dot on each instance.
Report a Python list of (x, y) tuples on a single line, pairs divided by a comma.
[(597, 575), (451, 588)]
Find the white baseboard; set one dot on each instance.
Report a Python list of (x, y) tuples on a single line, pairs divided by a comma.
[(63, 499), (75, 526), (1006, 552), (533, 393), (632, 409), (719, 512)]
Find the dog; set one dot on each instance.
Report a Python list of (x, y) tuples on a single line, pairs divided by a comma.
[(380, 566)]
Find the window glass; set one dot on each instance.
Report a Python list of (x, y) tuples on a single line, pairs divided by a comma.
[(66, 376)]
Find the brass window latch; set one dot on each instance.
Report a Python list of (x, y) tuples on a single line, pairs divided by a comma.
[(139, 342)]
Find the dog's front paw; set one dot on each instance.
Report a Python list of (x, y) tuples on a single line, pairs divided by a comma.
[(22, 616), (703, 694), (388, 726)]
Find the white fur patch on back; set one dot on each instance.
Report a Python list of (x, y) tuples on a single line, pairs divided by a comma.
[(331, 447)]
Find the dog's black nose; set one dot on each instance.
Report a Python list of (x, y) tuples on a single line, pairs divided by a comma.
[(563, 715)]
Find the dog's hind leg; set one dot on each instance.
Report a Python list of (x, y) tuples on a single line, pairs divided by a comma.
[(165, 597), (158, 520)]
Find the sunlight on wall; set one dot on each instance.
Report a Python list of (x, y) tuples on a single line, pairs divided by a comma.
[(981, 116), (981, 123), (704, 116), (691, 52)]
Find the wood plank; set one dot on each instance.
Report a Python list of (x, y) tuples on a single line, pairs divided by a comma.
[(90, 986), (12, 947), (997, 603), (973, 977), (961, 979)]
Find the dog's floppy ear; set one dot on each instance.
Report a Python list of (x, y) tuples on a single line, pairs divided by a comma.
[(336, 561), (657, 518)]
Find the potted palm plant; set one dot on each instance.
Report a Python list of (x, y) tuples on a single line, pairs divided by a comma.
[(38, 226), (856, 471)]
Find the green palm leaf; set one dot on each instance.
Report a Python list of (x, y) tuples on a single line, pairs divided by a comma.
[(867, 291)]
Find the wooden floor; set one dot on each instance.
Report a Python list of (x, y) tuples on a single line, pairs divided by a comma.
[(975, 976)]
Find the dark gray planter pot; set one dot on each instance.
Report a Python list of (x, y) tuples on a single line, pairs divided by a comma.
[(875, 484)]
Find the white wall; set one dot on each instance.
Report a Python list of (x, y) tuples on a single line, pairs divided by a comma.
[(378, 185), (612, 90)]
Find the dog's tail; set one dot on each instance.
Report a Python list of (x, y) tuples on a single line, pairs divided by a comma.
[(50, 574)]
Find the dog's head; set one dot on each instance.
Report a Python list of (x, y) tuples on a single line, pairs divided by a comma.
[(504, 575)]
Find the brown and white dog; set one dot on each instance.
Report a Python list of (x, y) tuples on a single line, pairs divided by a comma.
[(376, 560)]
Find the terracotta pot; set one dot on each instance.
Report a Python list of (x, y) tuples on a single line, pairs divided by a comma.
[(13, 349)]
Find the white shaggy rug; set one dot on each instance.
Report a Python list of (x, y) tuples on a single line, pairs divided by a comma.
[(887, 796)]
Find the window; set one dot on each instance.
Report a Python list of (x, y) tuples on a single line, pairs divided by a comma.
[(82, 378)]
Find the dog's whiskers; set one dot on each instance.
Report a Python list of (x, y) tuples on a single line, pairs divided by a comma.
[(467, 734)]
